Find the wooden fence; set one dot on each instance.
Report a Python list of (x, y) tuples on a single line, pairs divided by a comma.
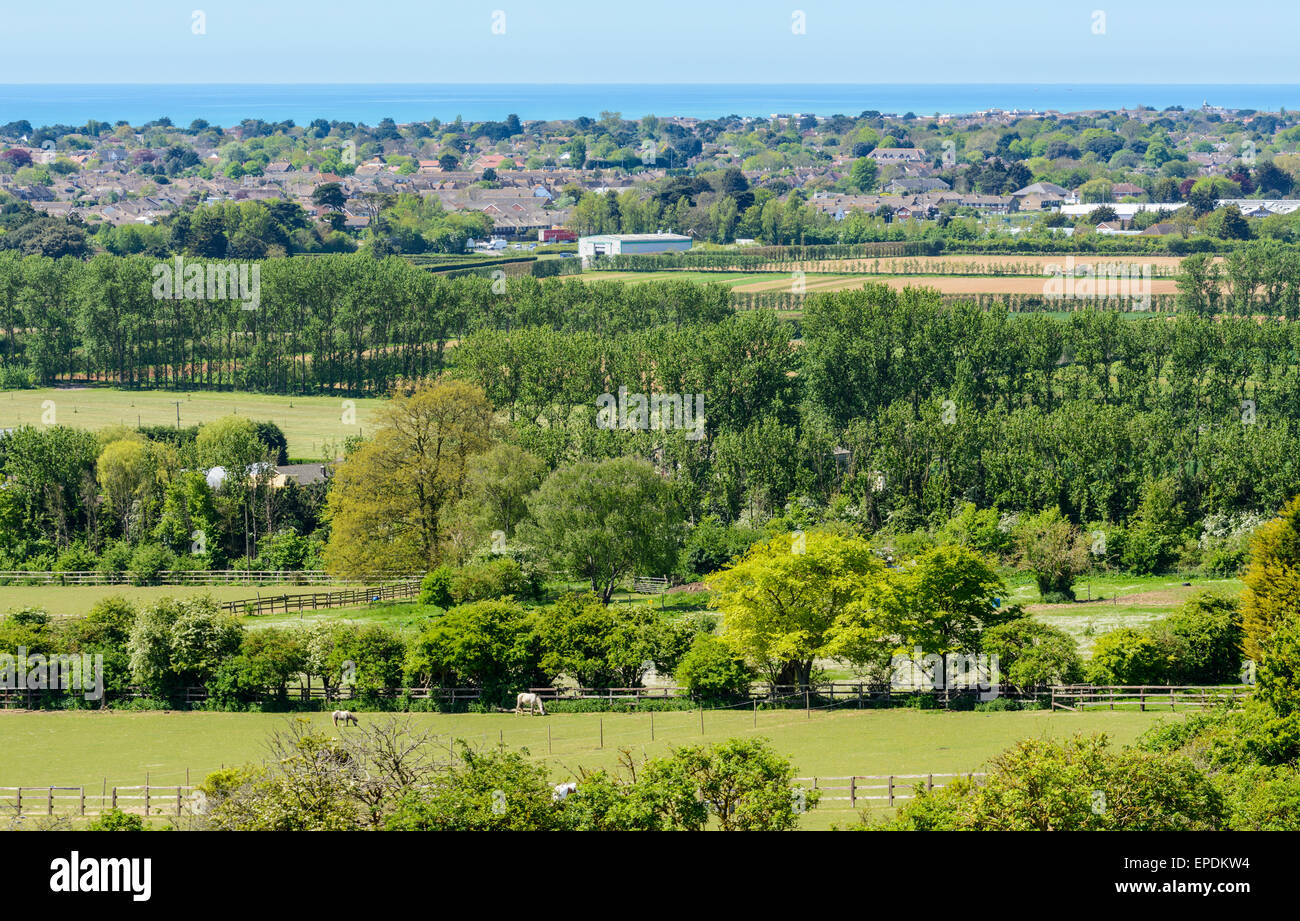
[(881, 790), (310, 601), (142, 799), (855, 792), (22, 698), (178, 577), (1147, 696)]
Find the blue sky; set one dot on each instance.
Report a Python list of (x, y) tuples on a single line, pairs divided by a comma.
[(668, 41)]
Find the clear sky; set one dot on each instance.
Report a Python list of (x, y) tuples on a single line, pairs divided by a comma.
[(649, 41)]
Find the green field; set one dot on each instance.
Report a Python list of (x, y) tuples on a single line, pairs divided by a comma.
[(76, 600), (120, 747), (314, 426), (1108, 601)]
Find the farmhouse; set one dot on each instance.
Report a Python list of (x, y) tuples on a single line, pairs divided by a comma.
[(632, 244)]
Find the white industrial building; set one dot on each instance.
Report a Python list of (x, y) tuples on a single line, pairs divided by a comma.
[(1123, 210), (631, 244)]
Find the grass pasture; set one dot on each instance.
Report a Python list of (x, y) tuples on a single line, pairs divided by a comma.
[(119, 747), (1117, 600), (313, 425), (77, 600)]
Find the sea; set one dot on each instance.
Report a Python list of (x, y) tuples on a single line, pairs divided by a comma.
[(368, 103)]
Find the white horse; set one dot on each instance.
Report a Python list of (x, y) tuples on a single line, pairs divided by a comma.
[(345, 717), (532, 701), (563, 791)]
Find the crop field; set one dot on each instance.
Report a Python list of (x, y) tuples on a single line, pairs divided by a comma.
[(314, 426), (987, 264), (110, 748), (759, 282)]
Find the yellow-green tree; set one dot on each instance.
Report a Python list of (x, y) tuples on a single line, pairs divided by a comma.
[(387, 502), (781, 601), (122, 470), (1273, 577)]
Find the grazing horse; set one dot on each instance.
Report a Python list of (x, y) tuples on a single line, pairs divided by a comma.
[(563, 791), (532, 702), (345, 717)]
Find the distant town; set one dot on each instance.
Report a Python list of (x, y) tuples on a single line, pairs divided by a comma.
[(789, 179)]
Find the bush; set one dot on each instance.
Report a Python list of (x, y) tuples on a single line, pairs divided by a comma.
[(1153, 537), (76, 558), (116, 820), (14, 378), (1031, 653), (711, 545), (1202, 641), (978, 529), (285, 550), (1139, 791), (1225, 543), (435, 588), (148, 562), (489, 580), (116, 558), (711, 669), (1127, 656)]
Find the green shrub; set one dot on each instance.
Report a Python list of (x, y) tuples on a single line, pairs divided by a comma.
[(1127, 656), (489, 580), (1202, 641), (712, 669), (435, 588), (116, 820), (1031, 653), (148, 562), (76, 558), (116, 558)]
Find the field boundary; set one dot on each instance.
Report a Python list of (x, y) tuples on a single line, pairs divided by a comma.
[(851, 792), (1147, 696), (141, 799), (182, 577), (892, 793), (311, 601)]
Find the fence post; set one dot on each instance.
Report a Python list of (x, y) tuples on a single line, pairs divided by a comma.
[(83, 800), (891, 790), (49, 802), (178, 800), (853, 792), (807, 703)]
